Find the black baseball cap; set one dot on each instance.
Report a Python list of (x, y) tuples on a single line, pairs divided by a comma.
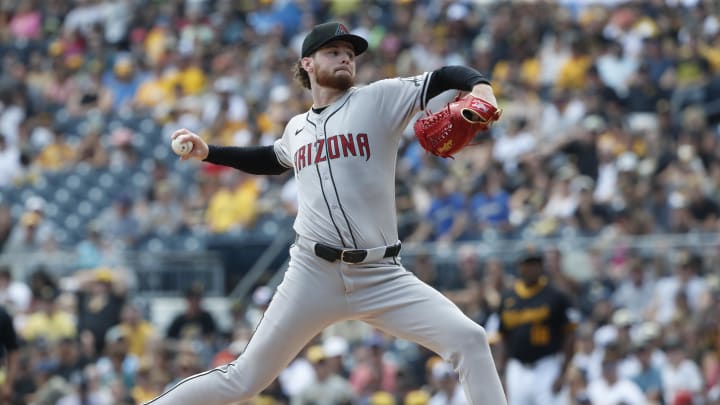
[(530, 253), (331, 31)]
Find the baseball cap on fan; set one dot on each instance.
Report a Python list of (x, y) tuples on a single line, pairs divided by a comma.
[(331, 31), (531, 253)]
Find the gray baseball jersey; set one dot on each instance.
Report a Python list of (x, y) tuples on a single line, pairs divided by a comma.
[(344, 162)]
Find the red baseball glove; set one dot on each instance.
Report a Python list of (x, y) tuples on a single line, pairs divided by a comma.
[(445, 132)]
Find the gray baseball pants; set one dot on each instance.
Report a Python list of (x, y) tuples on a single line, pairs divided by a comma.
[(315, 294)]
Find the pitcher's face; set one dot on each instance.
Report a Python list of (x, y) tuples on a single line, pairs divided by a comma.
[(333, 65)]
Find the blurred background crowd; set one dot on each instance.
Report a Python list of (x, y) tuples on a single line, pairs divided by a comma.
[(607, 156)]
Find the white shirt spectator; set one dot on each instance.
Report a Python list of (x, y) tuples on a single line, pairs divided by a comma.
[(553, 55), (237, 109), (15, 295), (589, 363), (685, 377), (561, 204), (615, 71), (509, 148), (297, 377), (9, 164), (606, 186), (556, 122), (118, 14), (667, 288), (94, 398), (10, 118), (84, 17), (634, 297), (623, 391)]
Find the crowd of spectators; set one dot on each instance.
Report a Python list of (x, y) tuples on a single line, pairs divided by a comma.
[(610, 130)]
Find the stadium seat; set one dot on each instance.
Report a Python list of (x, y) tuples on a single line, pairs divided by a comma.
[(83, 169), (106, 181), (140, 142), (113, 125), (155, 245), (147, 126), (192, 243), (74, 183), (51, 210), (86, 211), (17, 209), (147, 165), (96, 195), (64, 199), (61, 236), (161, 152), (140, 181), (72, 222)]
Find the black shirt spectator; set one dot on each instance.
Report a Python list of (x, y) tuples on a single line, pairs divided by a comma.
[(704, 209), (643, 95), (195, 322), (70, 362), (8, 351), (99, 307), (583, 152), (590, 216)]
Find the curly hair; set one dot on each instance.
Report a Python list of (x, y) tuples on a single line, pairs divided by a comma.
[(301, 76)]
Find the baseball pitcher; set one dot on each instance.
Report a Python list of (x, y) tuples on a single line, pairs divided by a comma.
[(344, 263)]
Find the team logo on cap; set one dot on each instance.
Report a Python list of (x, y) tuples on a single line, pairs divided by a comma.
[(341, 30)]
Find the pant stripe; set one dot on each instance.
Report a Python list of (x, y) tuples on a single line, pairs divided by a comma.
[(222, 369)]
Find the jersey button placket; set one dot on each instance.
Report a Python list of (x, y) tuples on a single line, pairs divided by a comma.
[(329, 187)]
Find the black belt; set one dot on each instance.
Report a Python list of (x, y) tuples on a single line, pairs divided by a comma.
[(332, 254)]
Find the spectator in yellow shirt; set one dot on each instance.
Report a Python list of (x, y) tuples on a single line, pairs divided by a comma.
[(156, 41), (572, 73), (138, 331), (234, 205), (49, 321), (149, 382), (156, 89), (57, 154), (189, 76)]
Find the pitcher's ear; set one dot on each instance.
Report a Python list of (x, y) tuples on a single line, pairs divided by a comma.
[(306, 64)]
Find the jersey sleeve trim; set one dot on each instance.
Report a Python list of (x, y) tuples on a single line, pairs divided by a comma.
[(423, 92)]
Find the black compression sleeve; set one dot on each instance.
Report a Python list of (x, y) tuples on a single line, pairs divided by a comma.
[(454, 77), (250, 159)]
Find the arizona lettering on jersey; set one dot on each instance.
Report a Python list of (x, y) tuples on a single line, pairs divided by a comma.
[(335, 147), (345, 198)]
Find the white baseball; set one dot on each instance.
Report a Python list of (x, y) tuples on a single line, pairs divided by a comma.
[(181, 148)]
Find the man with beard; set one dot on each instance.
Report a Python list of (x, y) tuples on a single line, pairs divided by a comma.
[(344, 263)]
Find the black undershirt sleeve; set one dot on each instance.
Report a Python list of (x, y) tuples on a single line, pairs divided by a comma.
[(249, 159), (454, 77)]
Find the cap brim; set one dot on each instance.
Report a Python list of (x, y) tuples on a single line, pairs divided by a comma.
[(358, 43), (531, 258)]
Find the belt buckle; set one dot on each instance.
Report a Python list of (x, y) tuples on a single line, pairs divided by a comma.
[(353, 256)]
